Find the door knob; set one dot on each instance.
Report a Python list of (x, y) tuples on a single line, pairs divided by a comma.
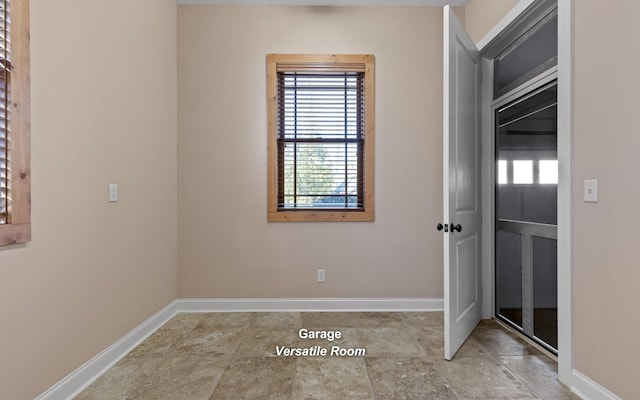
[(441, 227), (456, 228)]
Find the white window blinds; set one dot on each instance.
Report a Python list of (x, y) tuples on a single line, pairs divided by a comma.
[(320, 140), (5, 117)]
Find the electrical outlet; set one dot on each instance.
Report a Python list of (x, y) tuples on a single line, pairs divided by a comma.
[(321, 275)]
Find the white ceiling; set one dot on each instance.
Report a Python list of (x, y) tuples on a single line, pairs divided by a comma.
[(423, 3)]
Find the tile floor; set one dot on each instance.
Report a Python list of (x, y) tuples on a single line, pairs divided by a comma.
[(232, 356)]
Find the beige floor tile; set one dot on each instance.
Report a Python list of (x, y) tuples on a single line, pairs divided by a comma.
[(432, 341), (121, 380), (256, 379), (489, 323), (407, 379), (500, 342), (216, 356), (471, 348), (389, 342), (540, 375), (277, 320), (183, 378), (184, 322), (348, 338), (332, 321), (481, 378), (434, 319), (262, 343), (330, 378), (158, 344), (225, 320), (205, 340)]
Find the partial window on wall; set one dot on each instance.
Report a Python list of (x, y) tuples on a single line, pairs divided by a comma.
[(320, 126), (15, 177)]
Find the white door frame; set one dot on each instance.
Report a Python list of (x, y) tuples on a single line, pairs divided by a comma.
[(565, 213), (565, 160)]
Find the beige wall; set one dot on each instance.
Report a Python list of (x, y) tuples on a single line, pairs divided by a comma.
[(104, 110), (605, 264), (482, 15), (606, 143), (226, 247)]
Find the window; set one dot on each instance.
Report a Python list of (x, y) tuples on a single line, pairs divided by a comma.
[(549, 172), (320, 110), (15, 176), (502, 172), (524, 173)]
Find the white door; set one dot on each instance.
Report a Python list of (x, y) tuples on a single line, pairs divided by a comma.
[(462, 211)]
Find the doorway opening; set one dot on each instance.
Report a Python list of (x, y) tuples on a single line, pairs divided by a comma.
[(526, 183), (526, 215)]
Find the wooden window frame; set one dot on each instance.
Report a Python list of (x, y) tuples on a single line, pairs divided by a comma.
[(319, 63), (18, 226)]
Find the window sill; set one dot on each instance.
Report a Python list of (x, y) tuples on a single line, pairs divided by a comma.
[(321, 216)]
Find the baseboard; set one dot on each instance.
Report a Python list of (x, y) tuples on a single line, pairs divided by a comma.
[(78, 380), (587, 389), (82, 377), (328, 304)]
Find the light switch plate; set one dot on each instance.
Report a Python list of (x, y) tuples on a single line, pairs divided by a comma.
[(113, 192), (591, 191)]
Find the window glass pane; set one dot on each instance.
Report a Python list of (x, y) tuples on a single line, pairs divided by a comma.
[(532, 54), (502, 172), (545, 290), (548, 171), (320, 175), (526, 134), (509, 276), (523, 171), (321, 131), (321, 106)]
